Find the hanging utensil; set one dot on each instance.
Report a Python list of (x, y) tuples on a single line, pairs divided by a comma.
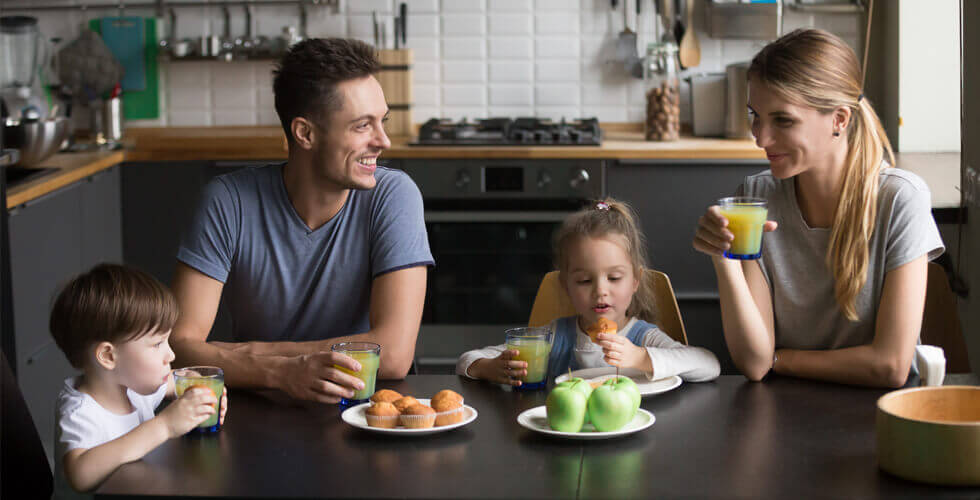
[(678, 21), (690, 49), (626, 43), (403, 15), (377, 35)]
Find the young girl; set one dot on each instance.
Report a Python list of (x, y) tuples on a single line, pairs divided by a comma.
[(113, 323), (839, 292), (600, 254)]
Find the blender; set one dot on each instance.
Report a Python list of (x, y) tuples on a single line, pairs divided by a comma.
[(20, 59)]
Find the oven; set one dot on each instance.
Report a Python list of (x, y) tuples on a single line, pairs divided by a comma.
[(490, 224)]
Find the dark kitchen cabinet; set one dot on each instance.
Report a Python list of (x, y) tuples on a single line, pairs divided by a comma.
[(53, 238), (669, 196)]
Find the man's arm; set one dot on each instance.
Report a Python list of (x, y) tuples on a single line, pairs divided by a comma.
[(397, 299), (311, 375)]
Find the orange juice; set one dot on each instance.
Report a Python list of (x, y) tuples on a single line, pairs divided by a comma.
[(746, 217), (370, 362)]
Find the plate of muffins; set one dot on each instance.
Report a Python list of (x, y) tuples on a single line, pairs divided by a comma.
[(389, 412)]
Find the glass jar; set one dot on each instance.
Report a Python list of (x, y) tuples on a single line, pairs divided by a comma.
[(662, 84)]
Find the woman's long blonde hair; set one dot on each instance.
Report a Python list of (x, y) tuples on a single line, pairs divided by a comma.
[(602, 219), (814, 68)]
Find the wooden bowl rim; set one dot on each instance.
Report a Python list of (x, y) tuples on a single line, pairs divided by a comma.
[(901, 392)]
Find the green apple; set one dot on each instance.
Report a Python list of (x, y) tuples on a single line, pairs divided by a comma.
[(627, 384), (611, 406), (566, 409), (580, 385)]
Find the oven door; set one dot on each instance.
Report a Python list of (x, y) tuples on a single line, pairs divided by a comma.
[(488, 268)]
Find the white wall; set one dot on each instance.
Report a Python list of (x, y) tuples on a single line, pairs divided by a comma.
[(929, 76), (473, 58)]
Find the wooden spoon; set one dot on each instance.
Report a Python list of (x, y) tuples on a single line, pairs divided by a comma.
[(690, 49)]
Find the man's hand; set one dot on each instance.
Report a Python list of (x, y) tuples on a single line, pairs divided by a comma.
[(502, 370), (619, 351), (188, 411), (315, 377)]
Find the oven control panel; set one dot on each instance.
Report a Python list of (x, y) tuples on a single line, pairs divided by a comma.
[(507, 179)]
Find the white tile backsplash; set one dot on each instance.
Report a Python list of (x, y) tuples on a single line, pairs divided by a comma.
[(463, 25), (472, 58), (511, 71)]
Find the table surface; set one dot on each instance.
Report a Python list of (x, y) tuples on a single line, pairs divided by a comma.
[(782, 438)]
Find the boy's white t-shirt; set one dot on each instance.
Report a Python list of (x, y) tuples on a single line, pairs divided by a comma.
[(83, 423)]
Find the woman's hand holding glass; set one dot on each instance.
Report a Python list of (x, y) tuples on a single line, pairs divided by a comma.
[(713, 237)]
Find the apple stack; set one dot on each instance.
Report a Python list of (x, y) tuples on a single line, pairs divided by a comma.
[(610, 406)]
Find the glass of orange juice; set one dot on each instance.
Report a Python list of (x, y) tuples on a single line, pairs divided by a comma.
[(533, 345), (209, 377), (368, 354), (746, 217)]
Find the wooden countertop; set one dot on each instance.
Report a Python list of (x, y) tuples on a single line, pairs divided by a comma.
[(940, 170)]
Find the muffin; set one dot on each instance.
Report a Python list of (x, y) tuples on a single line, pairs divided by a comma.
[(447, 411), (383, 415), (448, 395), (385, 396), (404, 402), (418, 416), (602, 325)]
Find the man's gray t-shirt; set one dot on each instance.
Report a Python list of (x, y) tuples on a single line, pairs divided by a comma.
[(284, 281), (805, 310)]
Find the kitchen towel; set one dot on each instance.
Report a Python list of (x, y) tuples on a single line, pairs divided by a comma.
[(125, 38), (145, 104)]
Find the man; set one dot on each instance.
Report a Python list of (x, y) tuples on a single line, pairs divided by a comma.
[(325, 248)]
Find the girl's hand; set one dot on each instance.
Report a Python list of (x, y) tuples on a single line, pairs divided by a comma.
[(224, 406), (188, 411), (619, 351), (713, 237), (502, 370)]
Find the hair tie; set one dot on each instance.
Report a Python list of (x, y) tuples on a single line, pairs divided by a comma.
[(602, 206), (860, 96)]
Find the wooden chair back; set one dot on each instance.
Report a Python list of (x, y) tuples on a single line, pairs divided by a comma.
[(552, 302)]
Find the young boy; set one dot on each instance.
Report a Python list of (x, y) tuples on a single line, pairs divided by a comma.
[(113, 323)]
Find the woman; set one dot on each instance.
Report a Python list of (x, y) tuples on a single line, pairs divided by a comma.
[(839, 291)]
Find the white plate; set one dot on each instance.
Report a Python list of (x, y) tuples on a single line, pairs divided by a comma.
[(647, 387), (536, 419), (355, 417)]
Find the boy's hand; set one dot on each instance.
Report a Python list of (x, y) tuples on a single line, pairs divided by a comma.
[(224, 406), (502, 370), (188, 411), (619, 351)]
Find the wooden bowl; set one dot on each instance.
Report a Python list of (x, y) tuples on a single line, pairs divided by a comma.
[(931, 434)]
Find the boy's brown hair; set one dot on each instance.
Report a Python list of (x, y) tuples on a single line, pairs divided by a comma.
[(109, 303)]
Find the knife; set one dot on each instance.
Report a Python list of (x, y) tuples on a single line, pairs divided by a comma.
[(403, 15)]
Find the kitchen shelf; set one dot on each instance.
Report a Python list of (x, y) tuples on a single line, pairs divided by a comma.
[(854, 7), (161, 5)]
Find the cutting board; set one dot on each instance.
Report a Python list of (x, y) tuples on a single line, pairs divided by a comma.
[(124, 37), (142, 104)]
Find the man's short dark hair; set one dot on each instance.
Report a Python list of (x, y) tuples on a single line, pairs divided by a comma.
[(306, 78), (110, 303)]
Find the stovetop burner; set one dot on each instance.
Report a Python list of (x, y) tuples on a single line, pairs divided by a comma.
[(510, 132)]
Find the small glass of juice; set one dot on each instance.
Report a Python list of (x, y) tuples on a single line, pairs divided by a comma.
[(746, 217), (210, 377), (533, 345), (368, 354)]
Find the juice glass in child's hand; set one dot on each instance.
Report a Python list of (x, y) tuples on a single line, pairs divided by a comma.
[(368, 354), (746, 216), (533, 345), (208, 377)]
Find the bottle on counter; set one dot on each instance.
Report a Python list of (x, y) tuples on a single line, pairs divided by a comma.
[(662, 83)]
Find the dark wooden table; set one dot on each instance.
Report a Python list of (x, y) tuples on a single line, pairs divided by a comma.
[(783, 438)]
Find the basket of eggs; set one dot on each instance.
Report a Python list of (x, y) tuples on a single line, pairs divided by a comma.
[(390, 411)]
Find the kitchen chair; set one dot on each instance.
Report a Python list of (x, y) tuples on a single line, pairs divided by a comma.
[(552, 302), (25, 469), (941, 321)]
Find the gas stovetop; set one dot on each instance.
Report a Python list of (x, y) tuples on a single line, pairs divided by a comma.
[(510, 132)]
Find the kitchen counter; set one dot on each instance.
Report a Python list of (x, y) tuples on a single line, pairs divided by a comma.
[(940, 170)]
